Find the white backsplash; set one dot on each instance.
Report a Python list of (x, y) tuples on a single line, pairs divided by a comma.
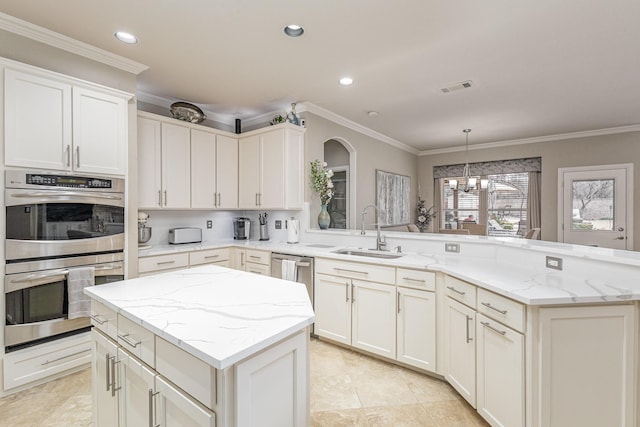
[(162, 221)]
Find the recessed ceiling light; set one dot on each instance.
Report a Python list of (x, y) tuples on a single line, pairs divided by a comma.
[(126, 37), (346, 81), (372, 114), (293, 30)]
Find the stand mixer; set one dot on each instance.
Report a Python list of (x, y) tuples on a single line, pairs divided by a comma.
[(144, 232)]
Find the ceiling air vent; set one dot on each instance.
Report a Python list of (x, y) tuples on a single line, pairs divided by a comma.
[(457, 86)]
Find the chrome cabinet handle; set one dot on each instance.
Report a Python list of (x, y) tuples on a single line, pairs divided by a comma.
[(488, 325), (152, 412), (398, 301), (77, 157), (68, 154), (414, 280), (165, 197), (353, 293), (351, 271), (63, 357), (488, 305), (113, 376), (211, 256), (346, 291), (96, 318), (219, 200), (126, 339), (107, 375), (469, 339), (257, 200), (451, 288), (619, 238), (159, 197), (165, 262)]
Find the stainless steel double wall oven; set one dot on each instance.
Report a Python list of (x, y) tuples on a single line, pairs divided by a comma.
[(56, 222)]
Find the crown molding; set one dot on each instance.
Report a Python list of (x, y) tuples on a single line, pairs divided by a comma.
[(331, 116), (537, 139), (51, 38)]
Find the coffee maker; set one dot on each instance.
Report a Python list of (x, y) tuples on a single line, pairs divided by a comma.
[(241, 228)]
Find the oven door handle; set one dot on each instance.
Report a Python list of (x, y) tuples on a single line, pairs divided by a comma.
[(53, 194), (50, 276)]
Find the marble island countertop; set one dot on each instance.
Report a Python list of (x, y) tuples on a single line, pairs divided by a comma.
[(219, 315), (514, 269)]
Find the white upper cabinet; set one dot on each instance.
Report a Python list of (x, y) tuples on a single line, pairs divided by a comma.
[(58, 123), (214, 170), (271, 172)]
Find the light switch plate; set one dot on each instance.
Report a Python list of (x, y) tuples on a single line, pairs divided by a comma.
[(452, 247)]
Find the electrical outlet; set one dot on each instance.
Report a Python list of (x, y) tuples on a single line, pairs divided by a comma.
[(209, 223), (452, 247), (278, 224), (554, 263)]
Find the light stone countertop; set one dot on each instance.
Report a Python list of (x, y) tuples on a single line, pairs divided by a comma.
[(513, 267), (219, 315)]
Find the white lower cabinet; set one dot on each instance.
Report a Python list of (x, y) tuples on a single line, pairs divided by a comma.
[(105, 396), (136, 389), (332, 304), (416, 328), (460, 349), (252, 260), (586, 366), (500, 373), (374, 317), (173, 408)]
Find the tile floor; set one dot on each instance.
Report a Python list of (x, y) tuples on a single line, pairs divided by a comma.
[(347, 389)]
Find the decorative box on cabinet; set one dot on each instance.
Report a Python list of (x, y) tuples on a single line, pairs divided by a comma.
[(80, 127)]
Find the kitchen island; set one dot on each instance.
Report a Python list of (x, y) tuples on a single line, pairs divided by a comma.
[(204, 346)]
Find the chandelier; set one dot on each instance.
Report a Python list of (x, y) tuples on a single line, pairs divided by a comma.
[(468, 182)]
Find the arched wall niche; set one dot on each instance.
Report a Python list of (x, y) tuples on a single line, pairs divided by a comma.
[(340, 157)]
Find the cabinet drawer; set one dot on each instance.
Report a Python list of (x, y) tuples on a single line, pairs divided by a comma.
[(502, 309), (259, 257), (41, 361), (416, 279), (252, 267), (104, 319), (163, 262), (209, 256), (187, 372), (136, 340), (460, 290), (370, 272)]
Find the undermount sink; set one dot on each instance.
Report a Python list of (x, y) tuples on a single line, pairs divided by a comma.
[(368, 253)]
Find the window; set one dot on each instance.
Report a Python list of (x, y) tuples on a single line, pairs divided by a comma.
[(501, 205)]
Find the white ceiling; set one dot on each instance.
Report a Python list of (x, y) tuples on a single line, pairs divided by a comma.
[(539, 68)]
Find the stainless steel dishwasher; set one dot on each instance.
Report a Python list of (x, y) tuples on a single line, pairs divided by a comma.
[(304, 267)]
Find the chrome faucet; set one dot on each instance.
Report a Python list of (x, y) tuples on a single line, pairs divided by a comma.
[(381, 243)]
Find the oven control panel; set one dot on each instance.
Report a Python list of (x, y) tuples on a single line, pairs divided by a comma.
[(67, 181), (46, 180)]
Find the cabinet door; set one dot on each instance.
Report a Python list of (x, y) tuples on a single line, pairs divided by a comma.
[(272, 171), (587, 365), (227, 172), (176, 166), (176, 409), (105, 397), (37, 113), (136, 392), (203, 169), (271, 387), (99, 132), (249, 172), (460, 349), (374, 318), (500, 371), (333, 308), (416, 322), (149, 163)]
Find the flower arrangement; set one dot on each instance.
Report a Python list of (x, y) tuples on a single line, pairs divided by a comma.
[(321, 181), (424, 215)]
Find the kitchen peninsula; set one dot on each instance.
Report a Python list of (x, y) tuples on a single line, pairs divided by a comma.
[(205, 346)]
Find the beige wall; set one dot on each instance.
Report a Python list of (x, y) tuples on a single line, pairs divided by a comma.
[(597, 150), (370, 153)]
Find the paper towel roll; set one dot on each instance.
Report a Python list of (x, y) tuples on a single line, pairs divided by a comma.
[(293, 231)]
